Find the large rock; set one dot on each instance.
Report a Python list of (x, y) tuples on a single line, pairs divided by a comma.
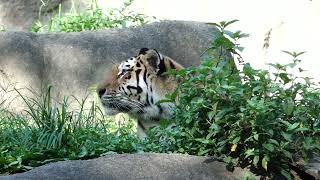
[(20, 14), (134, 166), (72, 62)]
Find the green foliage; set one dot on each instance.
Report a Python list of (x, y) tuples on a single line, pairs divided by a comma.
[(51, 131), (252, 118), (92, 19)]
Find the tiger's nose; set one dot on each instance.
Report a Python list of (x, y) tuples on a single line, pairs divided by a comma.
[(101, 92)]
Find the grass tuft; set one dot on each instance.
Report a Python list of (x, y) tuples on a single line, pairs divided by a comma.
[(49, 130)]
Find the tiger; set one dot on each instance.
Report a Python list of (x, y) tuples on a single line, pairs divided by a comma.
[(136, 85)]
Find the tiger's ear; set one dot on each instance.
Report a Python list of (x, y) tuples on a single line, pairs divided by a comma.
[(154, 59), (143, 51)]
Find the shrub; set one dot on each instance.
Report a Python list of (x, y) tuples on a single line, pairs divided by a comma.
[(262, 120), (92, 19)]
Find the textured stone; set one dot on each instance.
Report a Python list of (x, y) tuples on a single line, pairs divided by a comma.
[(134, 166), (20, 14)]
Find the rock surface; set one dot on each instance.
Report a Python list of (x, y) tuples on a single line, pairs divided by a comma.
[(72, 62), (134, 166), (20, 14)]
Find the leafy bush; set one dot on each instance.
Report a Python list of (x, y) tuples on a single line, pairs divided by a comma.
[(52, 131), (262, 120), (92, 19)]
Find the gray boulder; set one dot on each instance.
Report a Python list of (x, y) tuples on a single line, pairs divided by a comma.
[(135, 166), (20, 14), (73, 62)]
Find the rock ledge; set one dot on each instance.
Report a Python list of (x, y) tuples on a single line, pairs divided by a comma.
[(134, 166)]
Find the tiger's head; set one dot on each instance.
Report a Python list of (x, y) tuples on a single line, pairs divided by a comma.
[(136, 85)]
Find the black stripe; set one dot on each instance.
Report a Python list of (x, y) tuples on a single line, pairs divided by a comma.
[(162, 67), (147, 99), (137, 75), (172, 65), (141, 125), (138, 88), (160, 109), (145, 76), (158, 54), (143, 51)]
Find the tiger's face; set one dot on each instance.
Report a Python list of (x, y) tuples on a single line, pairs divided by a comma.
[(135, 86)]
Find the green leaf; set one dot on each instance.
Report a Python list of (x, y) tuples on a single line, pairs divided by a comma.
[(264, 162), (294, 54), (83, 152), (227, 159), (300, 53), (284, 77), (286, 174), (215, 127), (274, 142), (288, 106), (293, 126), (249, 152), (214, 24), (203, 152), (287, 154), (14, 163), (210, 135), (164, 101), (211, 114), (230, 22), (202, 140), (269, 147), (287, 52), (248, 70), (255, 160), (270, 132), (286, 136), (236, 140)]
